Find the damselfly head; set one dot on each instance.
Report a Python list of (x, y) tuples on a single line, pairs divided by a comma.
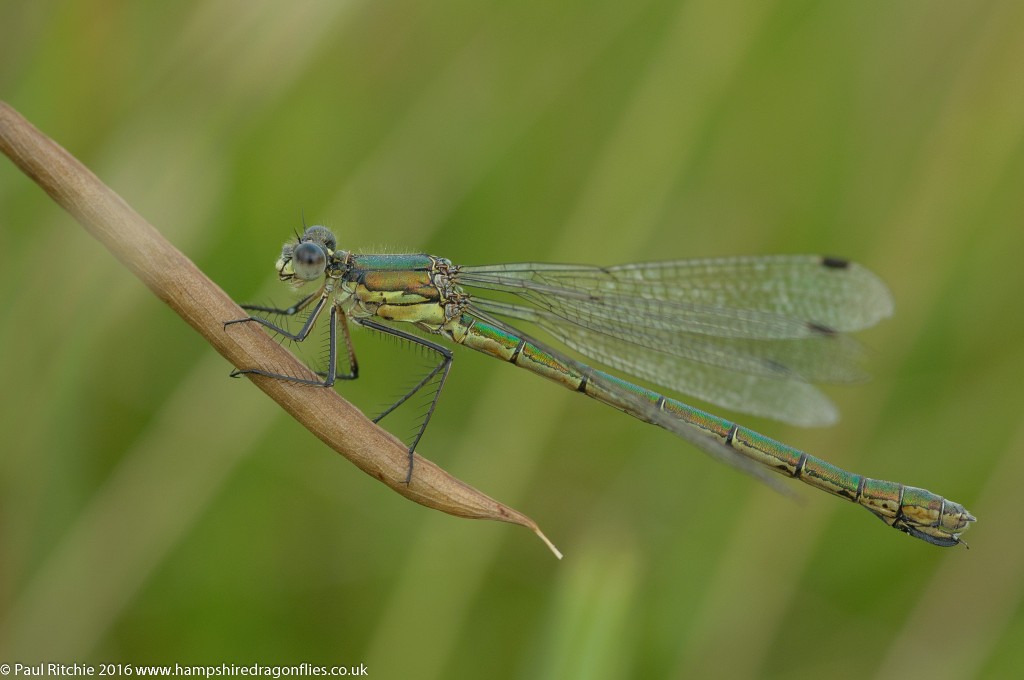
[(306, 259)]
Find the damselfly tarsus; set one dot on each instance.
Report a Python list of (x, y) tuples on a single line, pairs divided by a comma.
[(747, 333)]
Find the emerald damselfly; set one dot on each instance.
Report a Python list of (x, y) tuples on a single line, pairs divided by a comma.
[(748, 333)]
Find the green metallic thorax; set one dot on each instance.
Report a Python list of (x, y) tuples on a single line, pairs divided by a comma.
[(396, 288)]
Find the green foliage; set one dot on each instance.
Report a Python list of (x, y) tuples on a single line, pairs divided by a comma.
[(154, 511)]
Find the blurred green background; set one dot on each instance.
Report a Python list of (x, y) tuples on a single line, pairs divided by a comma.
[(154, 511)]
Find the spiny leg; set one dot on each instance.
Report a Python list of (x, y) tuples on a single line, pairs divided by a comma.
[(443, 367), (306, 327), (289, 311), (332, 369)]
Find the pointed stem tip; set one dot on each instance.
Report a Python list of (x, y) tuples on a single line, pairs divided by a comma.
[(550, 545)]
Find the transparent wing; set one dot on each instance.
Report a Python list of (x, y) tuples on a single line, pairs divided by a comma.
[(745, 333), (613, 394)]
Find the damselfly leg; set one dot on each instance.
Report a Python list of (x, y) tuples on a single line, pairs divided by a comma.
[(442, 367), (331, 374)]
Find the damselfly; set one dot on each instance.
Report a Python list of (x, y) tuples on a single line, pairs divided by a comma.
[(747, 333)]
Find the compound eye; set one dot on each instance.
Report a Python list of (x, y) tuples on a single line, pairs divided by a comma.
[(309, 261), (320, 234)]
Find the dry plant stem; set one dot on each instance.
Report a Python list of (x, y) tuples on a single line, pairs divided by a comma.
[(179, 283)]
